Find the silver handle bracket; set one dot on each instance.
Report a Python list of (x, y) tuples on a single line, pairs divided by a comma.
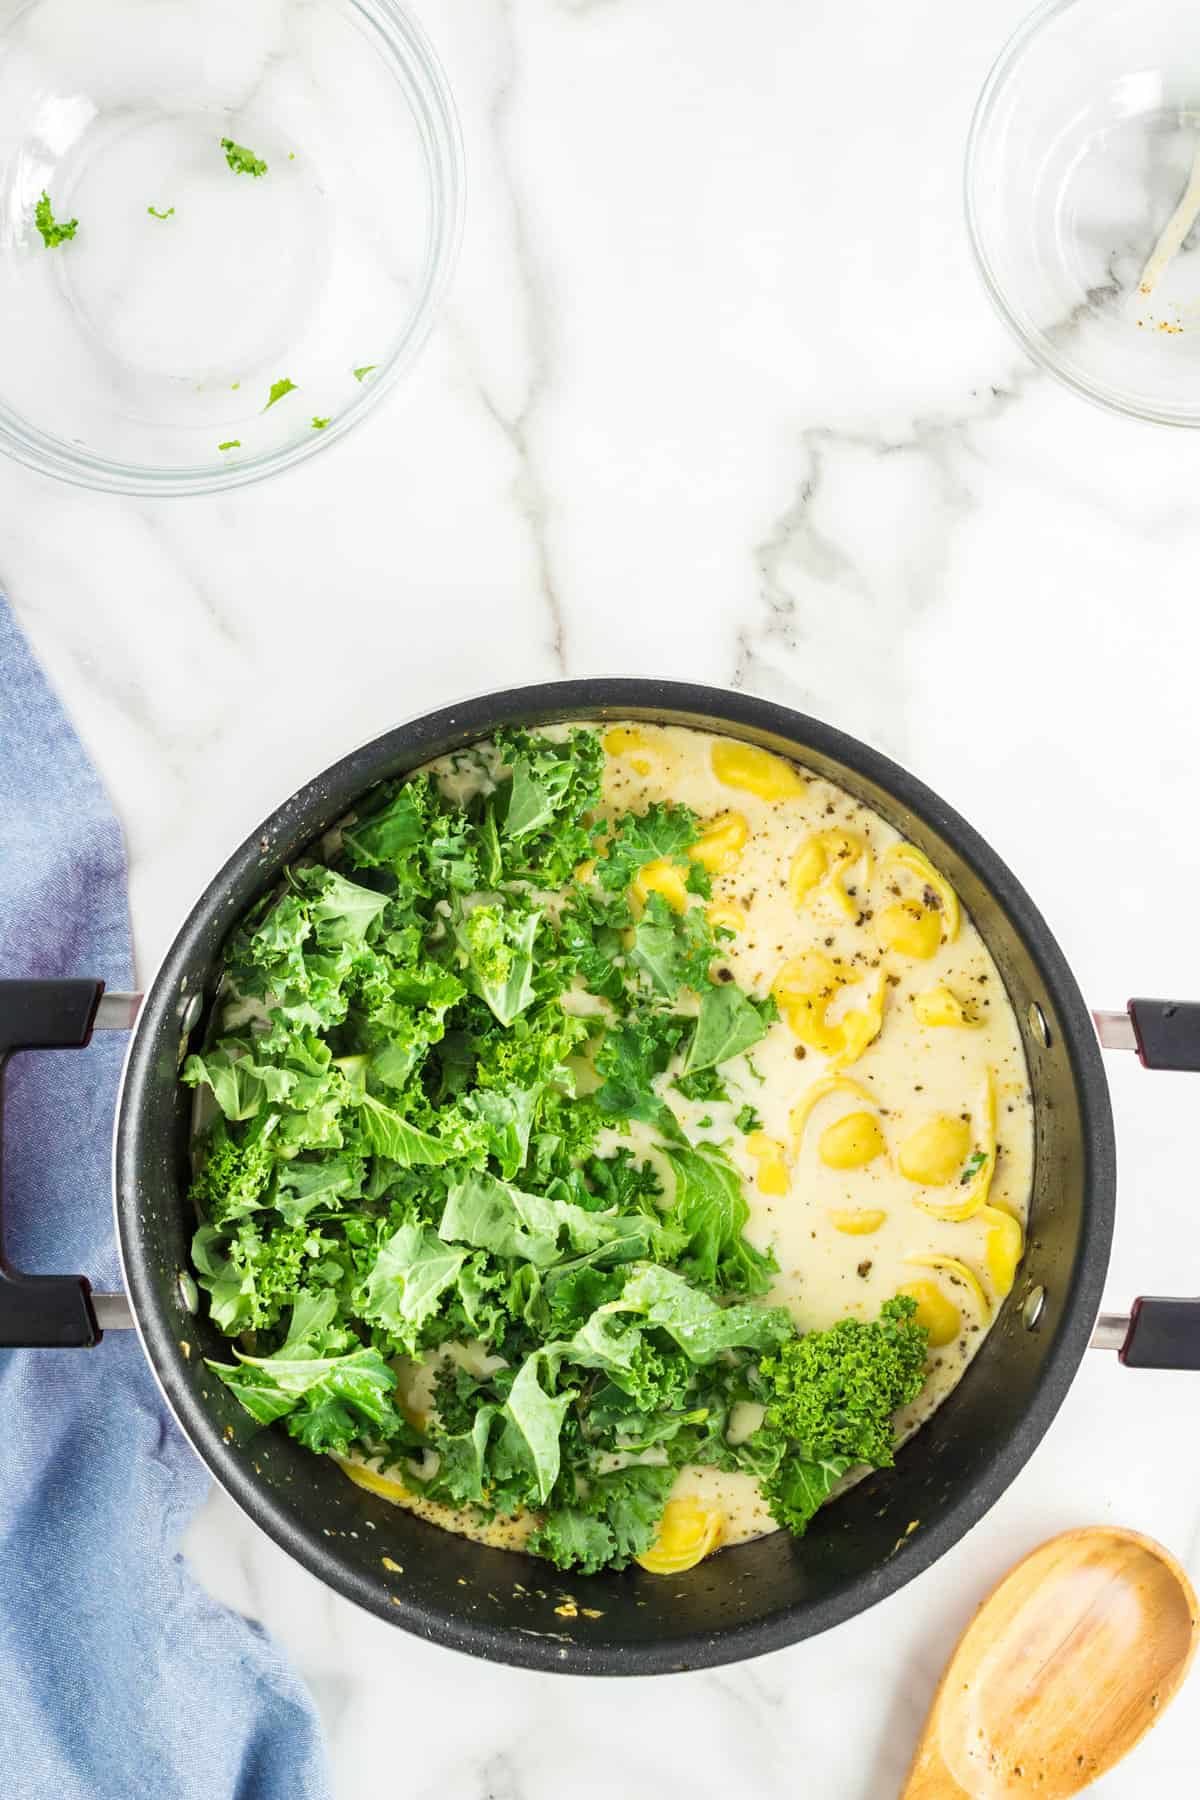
[(117, 1012), (112, 1312), (1115, 1030), (1111, 1331)]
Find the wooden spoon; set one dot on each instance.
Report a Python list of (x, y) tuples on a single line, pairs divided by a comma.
[(1063, 1669)]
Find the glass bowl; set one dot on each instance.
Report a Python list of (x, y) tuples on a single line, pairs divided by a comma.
[(1084, 156), (268, 200)]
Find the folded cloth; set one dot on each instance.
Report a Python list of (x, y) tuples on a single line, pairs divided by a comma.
[(121, 1679)]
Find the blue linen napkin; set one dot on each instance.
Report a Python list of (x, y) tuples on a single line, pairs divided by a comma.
[(119, 1678)]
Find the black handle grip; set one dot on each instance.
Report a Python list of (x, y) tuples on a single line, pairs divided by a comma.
[(45, 1312), (1163, 1334), (1167, 1033)]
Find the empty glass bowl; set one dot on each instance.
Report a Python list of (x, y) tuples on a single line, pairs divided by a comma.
[(266, 198), (1082, 191)]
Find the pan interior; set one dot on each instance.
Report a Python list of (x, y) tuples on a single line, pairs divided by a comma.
[(756, 1596)]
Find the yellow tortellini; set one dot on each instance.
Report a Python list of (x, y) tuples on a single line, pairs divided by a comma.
[(636, 744), (858, 1027), (910, 928), (822, 863), (961, 1272), (975, 1176), (852, 1141), (687, 1533), (662, 877), (756, 771), (1004, 1247), (719, 846), (937, 1006), (818, 1091), (386, 1485), (805, 989), (935, 1152), (769, 1154), (917, 927), (727, 913), (907, 856), (857, 1221), (940, 1317)]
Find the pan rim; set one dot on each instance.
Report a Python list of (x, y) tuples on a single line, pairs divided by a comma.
[(746, 715)]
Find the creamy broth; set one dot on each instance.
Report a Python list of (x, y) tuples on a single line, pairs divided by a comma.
[(936, 1103)]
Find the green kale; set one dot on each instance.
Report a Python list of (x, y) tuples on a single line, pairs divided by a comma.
[(233, 1178), (241, 160), (591, 941), (657, 950), (705, 1084), (496, 944), (411, 1272), (699, 881), (830, 1400), (542, 805), (711, 1208), (53, 233), (747, 1119), (404, 1104), (620, 1181), (672, 950), (616, 1521), (835, 1391), (628, 1061), (528, 1451), (366, 369), (701, 1328), (661, 832), (462, 1476), (278, 389), (155, 214), (730, 1022), (326, 1388), (493, 1215), (798, 1487)]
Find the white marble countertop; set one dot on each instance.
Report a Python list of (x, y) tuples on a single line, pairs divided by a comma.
[(717, 395)]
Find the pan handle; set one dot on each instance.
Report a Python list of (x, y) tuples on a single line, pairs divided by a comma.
[(50, 1311), (1156, 1333), (1165, 1033)]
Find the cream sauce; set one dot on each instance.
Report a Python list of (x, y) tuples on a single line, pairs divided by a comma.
[(912, 1073)]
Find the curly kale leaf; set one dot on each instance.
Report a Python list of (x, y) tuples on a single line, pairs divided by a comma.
[(830, 1401), (662, 832), (617, 1520), (54, 231), (835, 1391), (711, 1208), (629, 1059), (543, 804), (233, 1178)]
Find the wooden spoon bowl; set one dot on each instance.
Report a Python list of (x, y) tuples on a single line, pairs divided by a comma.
[(1064, 1668)]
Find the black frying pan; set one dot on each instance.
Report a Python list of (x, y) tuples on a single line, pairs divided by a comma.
[(749, 1599)]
